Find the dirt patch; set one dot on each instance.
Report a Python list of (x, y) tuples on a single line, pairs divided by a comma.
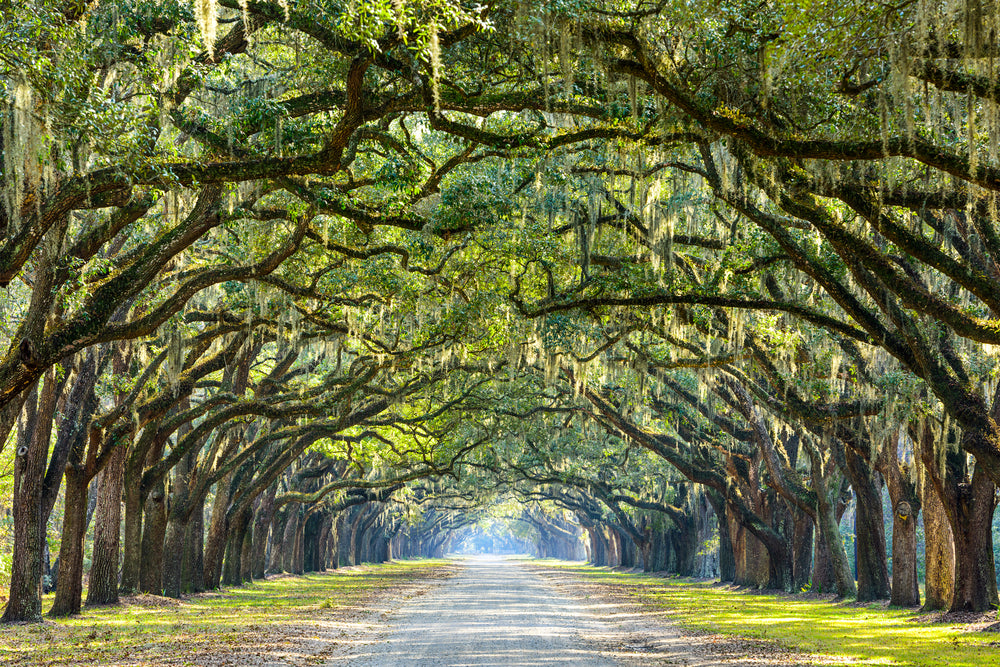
[(149, 601), (325, 632), (985, 621)]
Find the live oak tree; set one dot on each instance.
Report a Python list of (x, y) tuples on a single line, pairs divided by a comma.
[(636, 260)]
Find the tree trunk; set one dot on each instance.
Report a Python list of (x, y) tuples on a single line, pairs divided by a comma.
[(802, 549), (193, 565), (178, 518), (246, 553), (263, 518), (69, 587), (727, 564), (132, 535), (288, 539), (873, 573), (103, 588), (975, 573), (298, 556), (905, 508), (173, 546), (153, 535), (217, 531), (234, 548), (279, 524), (905, 587), (832, 554), (80, 468), (25, 602), (939, 552)]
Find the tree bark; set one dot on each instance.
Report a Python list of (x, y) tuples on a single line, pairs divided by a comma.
[(263, 519), (975, 572), (939, 552), (132, 533), (153, 535), (905, 587), (217, 531), (193, 564), (103, 588), (69, 587), (25, 602), (906, 506), (288, 539), (832, 554), (727, 563), (873, 572)]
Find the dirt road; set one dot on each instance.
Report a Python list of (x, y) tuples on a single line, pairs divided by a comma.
[(497, 612)]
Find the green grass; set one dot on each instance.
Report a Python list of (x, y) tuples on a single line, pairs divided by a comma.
[(859, 634), (250, 621)]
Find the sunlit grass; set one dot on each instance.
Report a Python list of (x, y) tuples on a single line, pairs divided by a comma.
[(248, 621), (861, 634)]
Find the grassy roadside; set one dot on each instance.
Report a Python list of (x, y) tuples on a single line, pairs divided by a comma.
[(252, 624), (856, 634)]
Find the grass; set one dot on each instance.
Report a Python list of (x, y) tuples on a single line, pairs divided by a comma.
[(858, 634), (242, 625)]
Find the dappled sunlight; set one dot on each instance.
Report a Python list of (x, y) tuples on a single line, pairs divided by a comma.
[(283, 620)]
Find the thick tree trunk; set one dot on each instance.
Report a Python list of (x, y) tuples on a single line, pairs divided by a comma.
[(103, 587), (969, 507), (905, 587), (873, 572), (288, 539), (263, 518), (246, 554), (69, 588), (193, 565), (25, 601), (905, 508), (217, 531), (132, 533), (831, 557), (173, 547), (298, 558), (975, 573), (333, 544), (79, 470), (939, 552), (153, 534), (802, 549), (685, 546), (727, 563), (238, 527), (311, 542), (279, 524), (352, 541), (178, 518)]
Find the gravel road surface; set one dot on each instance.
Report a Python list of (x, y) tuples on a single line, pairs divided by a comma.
[(496, 612)]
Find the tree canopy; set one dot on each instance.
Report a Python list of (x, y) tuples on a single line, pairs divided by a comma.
[(350, 278)]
